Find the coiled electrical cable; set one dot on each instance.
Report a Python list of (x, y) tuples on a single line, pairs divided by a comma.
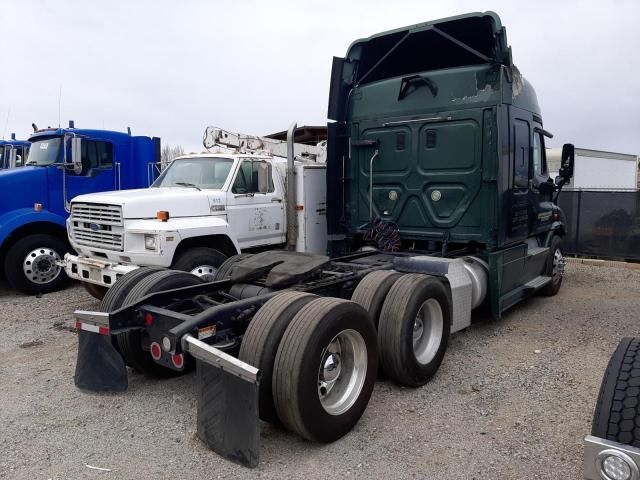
[(385, 234)]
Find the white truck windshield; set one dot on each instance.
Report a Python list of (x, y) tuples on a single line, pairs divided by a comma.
[(44, 152), (196, 172)]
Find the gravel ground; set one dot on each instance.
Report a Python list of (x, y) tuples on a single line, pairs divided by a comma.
[(496, 408)]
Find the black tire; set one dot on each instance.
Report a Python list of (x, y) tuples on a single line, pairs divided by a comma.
[(224, 270), (296, 371), (261, 341), (372, 291), (192, 260), (617, 412), (553, 287), (50, 246), (133, 344), (96, 291), (396, 329), (115, 296)]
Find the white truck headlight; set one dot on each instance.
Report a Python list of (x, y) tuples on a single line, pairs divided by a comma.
[(150, 242)]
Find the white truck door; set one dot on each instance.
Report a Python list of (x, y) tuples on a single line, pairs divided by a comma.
[(255, 208)]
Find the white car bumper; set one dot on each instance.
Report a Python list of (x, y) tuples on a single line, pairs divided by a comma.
[(92, 270)]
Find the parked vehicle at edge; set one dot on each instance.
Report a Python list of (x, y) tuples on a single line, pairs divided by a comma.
[(438, 202), (612, 451), (13, 152), (201, 210), (34, 200)]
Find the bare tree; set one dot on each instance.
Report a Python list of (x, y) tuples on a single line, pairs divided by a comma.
[(168, 153)]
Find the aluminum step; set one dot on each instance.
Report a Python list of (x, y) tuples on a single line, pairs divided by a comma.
[(537, 282)]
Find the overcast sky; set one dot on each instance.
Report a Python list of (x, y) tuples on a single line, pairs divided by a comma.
[(170, 68)]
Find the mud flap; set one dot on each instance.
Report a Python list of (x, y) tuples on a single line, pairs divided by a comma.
[(99, 366), (227, 392)]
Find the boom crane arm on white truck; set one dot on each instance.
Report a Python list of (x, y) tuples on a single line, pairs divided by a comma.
[(243, 143)]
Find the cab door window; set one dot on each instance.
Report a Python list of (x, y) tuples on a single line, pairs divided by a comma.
[(254, 176), (95, 154), (522, 143), (539, 164)]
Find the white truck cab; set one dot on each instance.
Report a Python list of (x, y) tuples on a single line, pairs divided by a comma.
[(202, 209)]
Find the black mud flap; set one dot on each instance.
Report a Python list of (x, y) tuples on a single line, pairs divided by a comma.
[(227, 392), (99, 366)]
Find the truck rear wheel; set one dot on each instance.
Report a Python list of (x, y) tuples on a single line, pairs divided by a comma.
[(325, 369), (224, 271), (203, 262), (134, 345), (116, 295), (618, 406), (261, 341), (30, 264), (372, 291), (555, 267), (414, 329), (96, 291)]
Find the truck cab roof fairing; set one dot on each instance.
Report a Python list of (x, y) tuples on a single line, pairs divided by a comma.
[(464, 40)]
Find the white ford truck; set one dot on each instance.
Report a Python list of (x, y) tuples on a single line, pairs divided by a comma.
[(202, 209)]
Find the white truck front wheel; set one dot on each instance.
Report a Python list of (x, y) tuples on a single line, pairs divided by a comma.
[(200, 261)]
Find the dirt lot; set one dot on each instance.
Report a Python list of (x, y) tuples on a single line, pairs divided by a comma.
[(496, 409)]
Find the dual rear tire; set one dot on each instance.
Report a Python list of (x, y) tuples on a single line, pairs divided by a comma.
[(319, 360), (134, 345), (319, 356), (412, 313)]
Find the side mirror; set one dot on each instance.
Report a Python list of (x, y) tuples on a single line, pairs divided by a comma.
[(76, 154), (567, 162)]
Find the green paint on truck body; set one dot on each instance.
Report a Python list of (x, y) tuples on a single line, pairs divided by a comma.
[(440, 123)]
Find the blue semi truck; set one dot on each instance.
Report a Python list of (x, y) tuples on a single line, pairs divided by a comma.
[(13, 152), (34, 200)]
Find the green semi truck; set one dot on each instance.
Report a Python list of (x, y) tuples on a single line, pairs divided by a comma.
[(438, 203)]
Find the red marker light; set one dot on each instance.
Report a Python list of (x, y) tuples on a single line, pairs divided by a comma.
[(148, 319), (178, 360), (156, 352)]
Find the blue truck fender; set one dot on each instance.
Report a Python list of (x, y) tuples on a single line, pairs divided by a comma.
[(14, 219)]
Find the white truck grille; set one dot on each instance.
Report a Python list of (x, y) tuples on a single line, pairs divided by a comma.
[(92, 225)]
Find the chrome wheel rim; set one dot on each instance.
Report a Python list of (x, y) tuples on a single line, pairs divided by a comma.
[(558, 266), (39, 265), (428, 327), (205, 272), (342, 372)]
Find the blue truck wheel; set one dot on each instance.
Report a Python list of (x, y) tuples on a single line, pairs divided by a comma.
[(30, 264)]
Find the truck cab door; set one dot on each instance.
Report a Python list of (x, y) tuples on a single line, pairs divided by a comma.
[(255, 206), (97, 173), (519, 199)]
